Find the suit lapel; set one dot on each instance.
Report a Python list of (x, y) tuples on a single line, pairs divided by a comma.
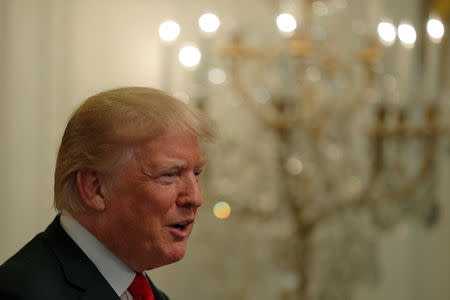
[(79, 271), (157, 293), (99, 292)]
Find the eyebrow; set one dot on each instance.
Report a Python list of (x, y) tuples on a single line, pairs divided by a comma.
[(174, 165)]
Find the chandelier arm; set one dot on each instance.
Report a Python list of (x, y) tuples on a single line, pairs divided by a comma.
[(364, 196), (316, 132), (400, 194), (378, 137), (404, 191), (430, 133)]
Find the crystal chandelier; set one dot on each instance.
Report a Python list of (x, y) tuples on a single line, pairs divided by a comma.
[(356, 143)]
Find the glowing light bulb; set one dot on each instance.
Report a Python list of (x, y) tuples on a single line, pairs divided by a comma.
[(169, 31), (407, 35), (209, 23), (435, 29), (286, 23), (189, 56), (222, 210), (387, 33)]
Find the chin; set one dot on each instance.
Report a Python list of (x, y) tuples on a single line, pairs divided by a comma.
[(171, 255), (178, 254)]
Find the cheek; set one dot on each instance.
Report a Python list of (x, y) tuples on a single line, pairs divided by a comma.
[(145, 203), (151, 209), (161, 198)]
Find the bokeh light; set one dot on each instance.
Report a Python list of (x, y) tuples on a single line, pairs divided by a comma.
[(189, 56), (222, 210), (407, 35), (294, 166), (261, 94), (387, 33), (217, 76), (169, 31), (286, 23), (313, 74), (209, 23), (435, 29)]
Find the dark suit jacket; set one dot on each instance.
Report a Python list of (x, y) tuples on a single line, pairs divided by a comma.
[(52, 267)]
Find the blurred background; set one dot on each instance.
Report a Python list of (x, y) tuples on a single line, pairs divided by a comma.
[(333, 156)]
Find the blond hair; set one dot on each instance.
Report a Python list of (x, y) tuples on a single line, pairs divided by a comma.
[(103, 128)]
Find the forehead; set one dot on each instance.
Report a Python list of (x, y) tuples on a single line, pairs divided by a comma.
[(174, 147)]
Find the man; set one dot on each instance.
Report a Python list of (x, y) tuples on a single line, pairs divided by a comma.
[(127, 191)]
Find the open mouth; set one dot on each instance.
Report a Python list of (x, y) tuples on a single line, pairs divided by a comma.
[(179, 226)]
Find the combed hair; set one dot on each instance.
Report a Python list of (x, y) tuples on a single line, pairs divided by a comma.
[(103, 129)]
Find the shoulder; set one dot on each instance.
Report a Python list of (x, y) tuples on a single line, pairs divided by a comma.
[(30, 256), (32, 272)]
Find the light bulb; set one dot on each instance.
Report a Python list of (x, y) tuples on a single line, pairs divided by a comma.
[(169, 31), (435, 29), (407, 35), (387, 33), (209, 23), (286, 23), (189, 56)]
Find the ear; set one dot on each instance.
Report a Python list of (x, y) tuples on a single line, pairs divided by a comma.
[(90, 189)]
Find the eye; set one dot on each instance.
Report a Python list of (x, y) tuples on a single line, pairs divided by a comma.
[(169, 175), (168, 178), (197, 172)]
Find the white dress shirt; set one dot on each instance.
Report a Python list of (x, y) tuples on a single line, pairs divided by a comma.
[(118, 274)]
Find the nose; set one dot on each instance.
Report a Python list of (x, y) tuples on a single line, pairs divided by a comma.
[(190, 192)]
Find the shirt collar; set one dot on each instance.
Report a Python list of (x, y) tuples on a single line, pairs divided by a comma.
[(118, 274)]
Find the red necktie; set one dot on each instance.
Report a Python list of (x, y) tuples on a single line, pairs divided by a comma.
[(140, 288)]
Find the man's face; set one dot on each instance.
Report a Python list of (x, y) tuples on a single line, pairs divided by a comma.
[(152, 201)]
